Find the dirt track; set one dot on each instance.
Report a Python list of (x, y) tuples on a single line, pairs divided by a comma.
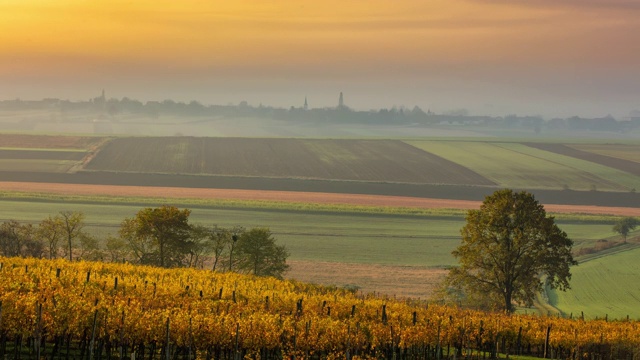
[(287, 196)]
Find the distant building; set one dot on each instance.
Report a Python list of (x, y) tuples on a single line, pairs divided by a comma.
[(306, 104), (341, 101)]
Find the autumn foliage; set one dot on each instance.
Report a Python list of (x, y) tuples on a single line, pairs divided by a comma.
[(206, 312)]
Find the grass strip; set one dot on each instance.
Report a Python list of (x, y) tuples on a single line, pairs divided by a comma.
[(279, 206), (233, 204)]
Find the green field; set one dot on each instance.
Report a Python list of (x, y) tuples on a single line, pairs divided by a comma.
[(312, 235), (603, 286), (52, 166), (516, 165)]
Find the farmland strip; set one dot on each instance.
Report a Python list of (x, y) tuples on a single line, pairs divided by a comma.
[(288, 196), (326, 159), (616, 163), (41, 155)]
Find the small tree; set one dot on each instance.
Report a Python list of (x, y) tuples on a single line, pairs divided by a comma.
[(10, 239), (116, 248), (71, 223), (159, 236), (218, 242), (89, 248), (50, 230), (200, 246), (625, 225), (19, 240), (507, 246), (258, 254), (234, 234)]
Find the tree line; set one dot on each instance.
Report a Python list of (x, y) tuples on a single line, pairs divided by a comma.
[(161, 236)]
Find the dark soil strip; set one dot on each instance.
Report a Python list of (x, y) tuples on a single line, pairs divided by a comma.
[(41, 155), (453, 192), (326, 159), (612, 162)]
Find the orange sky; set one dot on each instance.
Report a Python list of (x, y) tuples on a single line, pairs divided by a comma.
[(425, 52)]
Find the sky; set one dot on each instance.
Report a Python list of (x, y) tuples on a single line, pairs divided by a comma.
[(554, 58)]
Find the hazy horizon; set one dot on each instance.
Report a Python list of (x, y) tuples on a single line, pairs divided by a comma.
[(491, 57)]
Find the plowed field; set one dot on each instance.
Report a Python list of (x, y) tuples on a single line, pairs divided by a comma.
[(354, 160)]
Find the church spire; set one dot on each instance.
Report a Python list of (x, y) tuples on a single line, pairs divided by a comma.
[(306, 104), (341, 101)]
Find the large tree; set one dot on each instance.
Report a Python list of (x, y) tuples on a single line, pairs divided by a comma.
[(508, 247), (159, 236), (258, 254)]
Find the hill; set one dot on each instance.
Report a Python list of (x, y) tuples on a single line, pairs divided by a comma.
[(115, 310)]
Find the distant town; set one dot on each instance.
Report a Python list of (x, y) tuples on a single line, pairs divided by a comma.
[(110, 110)]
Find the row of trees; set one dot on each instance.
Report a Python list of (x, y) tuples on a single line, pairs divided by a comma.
[(58, 236), (159, 236)]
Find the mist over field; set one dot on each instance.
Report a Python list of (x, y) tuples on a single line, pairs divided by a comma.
[(104, 115)]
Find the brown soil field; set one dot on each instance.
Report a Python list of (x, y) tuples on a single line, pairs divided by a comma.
[(329, 159), (613, 162), (288, 196), (48, 141), (400, 281)]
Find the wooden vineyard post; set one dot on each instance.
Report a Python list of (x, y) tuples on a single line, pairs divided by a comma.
[(167, 348), (37, 340), (393, 345), (190, 337), (93, 334), (235, 351), (546, 343), (295, 343), (121, 345), (2, 335), (348, 341), (438, 347), (519, 342)]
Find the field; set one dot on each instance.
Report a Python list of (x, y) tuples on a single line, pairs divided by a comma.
[(447, 169), (321, 197), (394, 245), (610, 160), (45, 154), (26, 141), (517, 165), (592, 293), (621, 151), (354, 160)]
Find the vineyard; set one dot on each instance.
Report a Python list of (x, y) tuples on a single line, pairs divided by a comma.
[(59, 310)]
